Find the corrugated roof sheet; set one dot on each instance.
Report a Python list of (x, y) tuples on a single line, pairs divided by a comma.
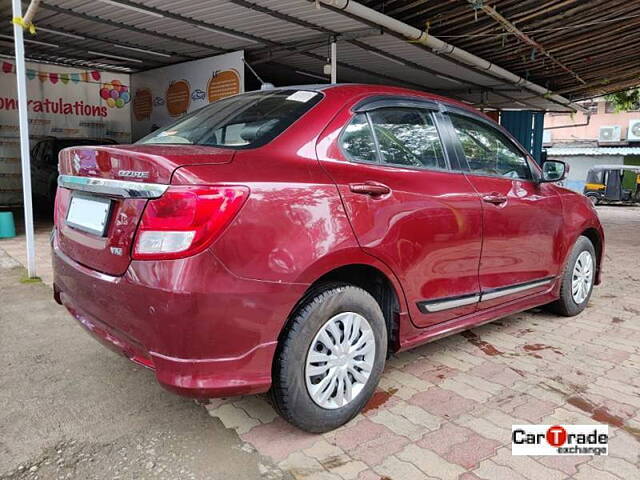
[(270, 32)]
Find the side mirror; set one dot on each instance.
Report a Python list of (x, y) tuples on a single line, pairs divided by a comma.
[(554, 171)]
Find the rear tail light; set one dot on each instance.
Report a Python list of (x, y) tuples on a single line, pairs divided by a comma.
[(185, 220)]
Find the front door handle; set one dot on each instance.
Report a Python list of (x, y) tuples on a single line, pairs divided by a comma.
[(369, 188), (494, 198)]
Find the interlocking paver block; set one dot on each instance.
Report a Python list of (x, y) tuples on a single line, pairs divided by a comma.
[(352, 436), (430, 463), (473, 450), (398, 424), (527, 466), (492, 471), (278, 439), (417, 415), (234, 417), (587, 472), (376, 451), (565, 463), (394, 468), (441, 402), (321, 450)]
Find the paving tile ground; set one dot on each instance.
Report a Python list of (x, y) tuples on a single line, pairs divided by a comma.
[(450, 404)]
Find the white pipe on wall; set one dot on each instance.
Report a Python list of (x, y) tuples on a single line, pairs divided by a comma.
[(443, 48), (23, 121)]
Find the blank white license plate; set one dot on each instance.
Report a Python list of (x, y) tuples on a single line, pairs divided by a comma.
[(89, 214)]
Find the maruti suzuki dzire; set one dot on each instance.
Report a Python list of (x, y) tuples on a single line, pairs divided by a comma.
[(288, 240)]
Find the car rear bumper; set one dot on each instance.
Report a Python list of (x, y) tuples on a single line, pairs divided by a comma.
[(204, 331)]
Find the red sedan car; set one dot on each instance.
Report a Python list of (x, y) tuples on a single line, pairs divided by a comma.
[(287, 240)]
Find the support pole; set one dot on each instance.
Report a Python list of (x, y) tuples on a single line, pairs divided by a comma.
[(24, 138), (334, 61)]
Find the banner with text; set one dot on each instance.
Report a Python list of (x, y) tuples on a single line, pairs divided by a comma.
[(62, 102)]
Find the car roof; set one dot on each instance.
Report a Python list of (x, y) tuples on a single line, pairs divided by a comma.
[(375, 89)]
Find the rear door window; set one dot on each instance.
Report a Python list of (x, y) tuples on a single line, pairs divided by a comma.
[(394, 136), (408, 137)]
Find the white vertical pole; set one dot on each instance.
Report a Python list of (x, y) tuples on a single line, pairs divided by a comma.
[(334, 61), (24, 138)]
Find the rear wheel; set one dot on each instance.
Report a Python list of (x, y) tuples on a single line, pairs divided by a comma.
[(577, 280), (330, 359)]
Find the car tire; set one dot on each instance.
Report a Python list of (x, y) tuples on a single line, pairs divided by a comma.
[(574, 298), (296, 394)]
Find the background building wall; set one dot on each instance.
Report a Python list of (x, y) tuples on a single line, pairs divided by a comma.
[(601, 116)]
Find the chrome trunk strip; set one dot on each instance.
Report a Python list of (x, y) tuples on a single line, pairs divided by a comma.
[(117, 188)]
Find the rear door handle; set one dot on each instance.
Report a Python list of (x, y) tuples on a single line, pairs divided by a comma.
[(369, 188), (494, 198)]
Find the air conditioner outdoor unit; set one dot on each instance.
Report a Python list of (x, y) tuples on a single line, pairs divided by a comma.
[(609, 134), (634, 131)]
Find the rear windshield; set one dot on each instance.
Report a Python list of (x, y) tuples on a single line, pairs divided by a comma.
[(242, 121)]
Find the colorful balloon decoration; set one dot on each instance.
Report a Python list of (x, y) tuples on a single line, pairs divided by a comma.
[(115, 93)]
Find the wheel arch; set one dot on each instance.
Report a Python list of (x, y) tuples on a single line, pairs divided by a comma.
[(385, 290), (596, 240)]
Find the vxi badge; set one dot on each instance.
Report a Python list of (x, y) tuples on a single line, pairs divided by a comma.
[(559, 439)]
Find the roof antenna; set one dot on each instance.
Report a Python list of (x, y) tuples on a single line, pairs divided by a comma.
[(263, 85)]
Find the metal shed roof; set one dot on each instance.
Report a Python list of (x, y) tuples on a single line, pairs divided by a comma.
[(292, 35)]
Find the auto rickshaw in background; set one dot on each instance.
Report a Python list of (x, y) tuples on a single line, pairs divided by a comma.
[(606, 183)]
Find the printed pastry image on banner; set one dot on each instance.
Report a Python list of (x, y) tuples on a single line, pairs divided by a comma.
[(142, 104), (223, 84), (177, 98), (162, 95)]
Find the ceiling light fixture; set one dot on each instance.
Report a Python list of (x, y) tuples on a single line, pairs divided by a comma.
[(117, 57), (35, 42), (142, 50), (64, 34), (222, 32), (311, 75), (386, 57), (133, 8), (449, 79)]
